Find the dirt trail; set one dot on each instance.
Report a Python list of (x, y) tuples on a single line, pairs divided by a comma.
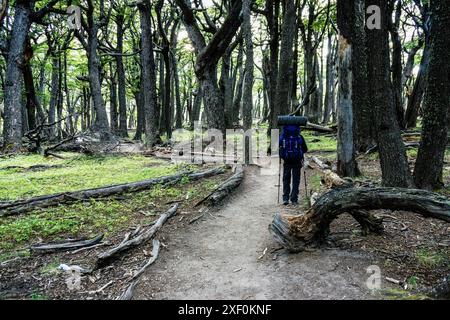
[(217, 257)]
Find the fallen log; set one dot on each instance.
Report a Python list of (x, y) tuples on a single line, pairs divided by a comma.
[(321, 165), (224, 189), (295, 233), (21, 206), (315, 127), (107, 257), (65, 246)]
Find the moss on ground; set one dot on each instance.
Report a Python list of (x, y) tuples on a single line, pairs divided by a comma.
[(76, 173), (92, 217)]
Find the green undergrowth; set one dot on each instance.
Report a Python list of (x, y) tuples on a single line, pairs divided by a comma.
[(75, 172), (88, 219)]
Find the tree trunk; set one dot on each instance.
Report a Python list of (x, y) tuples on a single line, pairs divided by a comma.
[(237, 99), (273, 12), (346, 164), (329, 86), (286, 55), (148, 76), (139, 98), (54, 95), (394, 164), (362, 113), (101, 117), (123, 130), (196, 107), (415, 100), (113, 99), (428, 173), (297, 232), (247, 96), (12, 124), (396, 67)]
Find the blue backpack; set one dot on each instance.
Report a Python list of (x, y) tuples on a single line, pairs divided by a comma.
[(291, 143)]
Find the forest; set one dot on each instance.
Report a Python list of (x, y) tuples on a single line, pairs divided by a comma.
[(115, 177)]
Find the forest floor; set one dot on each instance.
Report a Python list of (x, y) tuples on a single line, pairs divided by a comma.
[(228, 253)]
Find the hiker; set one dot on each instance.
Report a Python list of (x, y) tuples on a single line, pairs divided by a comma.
[(292, 150)]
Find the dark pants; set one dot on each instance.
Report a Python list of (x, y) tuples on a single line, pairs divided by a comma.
[(288, 171)]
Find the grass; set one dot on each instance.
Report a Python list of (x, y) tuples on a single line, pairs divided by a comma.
[(430, 259), (78, 172), (86, 218), (94, 217)]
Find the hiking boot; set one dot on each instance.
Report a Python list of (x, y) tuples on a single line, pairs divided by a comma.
[(295, 203), (285, 203)]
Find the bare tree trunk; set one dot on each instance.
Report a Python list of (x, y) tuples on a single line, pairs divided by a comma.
[(54, 95), (239, 88), (415, 100), (397, 69), (394, 164), (428, 173), (362, 112), (347, 165), (286, 55), (12, 125), (247, 96), (148, 76), (101, 117), (123, 130), (113, 99), (329, 82), (273, 12)]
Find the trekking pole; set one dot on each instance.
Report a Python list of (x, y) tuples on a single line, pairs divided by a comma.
[(279, 180), (306, 182)]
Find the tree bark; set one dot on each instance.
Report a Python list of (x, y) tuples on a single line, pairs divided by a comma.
[(394, 164), (397, 69), (148, 76), (363, 114), (94, 66), (247, 96), (346, 164), (428, 173), (123, 130), (286, 55), (12, 125)]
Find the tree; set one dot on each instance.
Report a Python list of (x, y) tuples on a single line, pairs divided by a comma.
[(208, 56), (394, 164), (430, 160), (148, 80), (346, 12), (247, 100), (25, 14), (92, 27), (286, 55)]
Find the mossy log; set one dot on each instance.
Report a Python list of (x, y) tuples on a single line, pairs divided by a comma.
[(311, 229)]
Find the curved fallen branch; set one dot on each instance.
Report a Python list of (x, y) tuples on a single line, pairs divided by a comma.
[(65, 246), (21, 206), (112, 254), (129, 292), (297, 232)]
